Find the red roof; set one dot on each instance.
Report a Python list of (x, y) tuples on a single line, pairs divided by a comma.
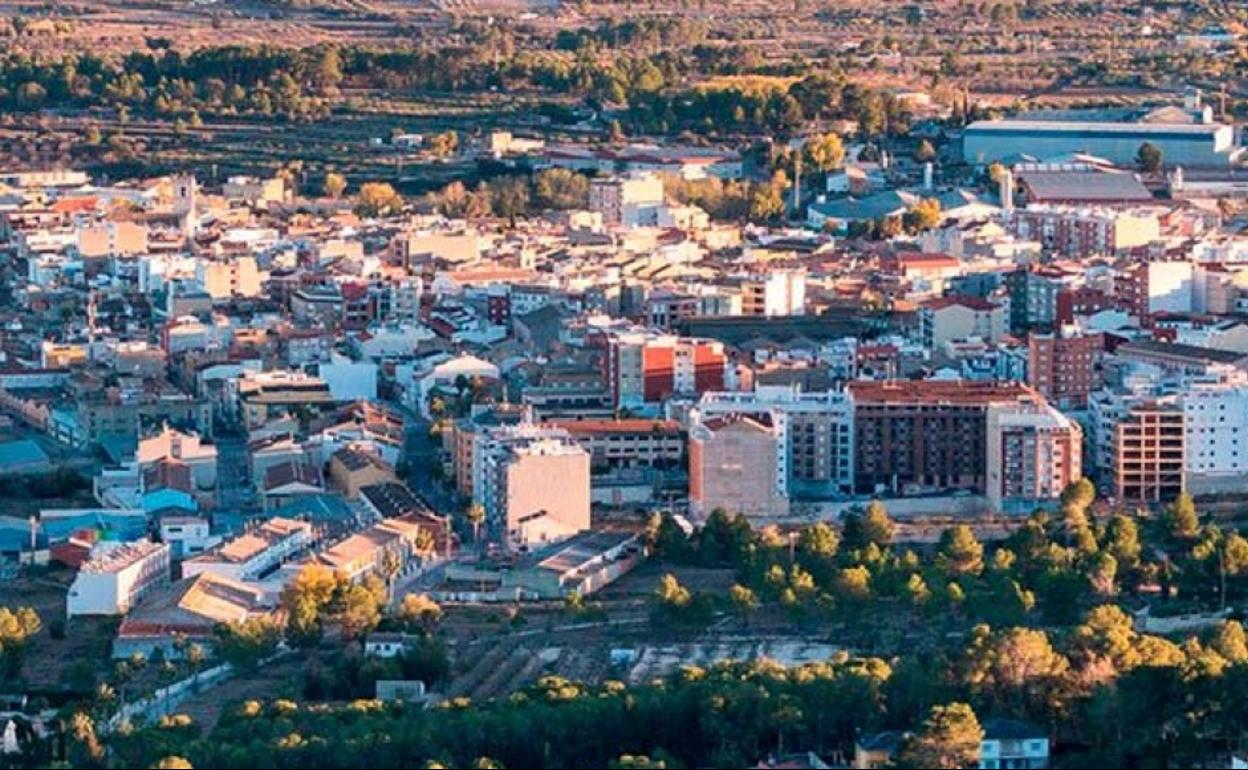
[(974, 303)]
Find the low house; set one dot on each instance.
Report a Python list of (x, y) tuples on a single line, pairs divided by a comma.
[(187, 612), (352, 469), (388, 644), (257, 552), (291, 479)]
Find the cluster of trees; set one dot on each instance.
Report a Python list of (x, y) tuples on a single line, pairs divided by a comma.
[(659, 87), (514, 196), (1116, 697), (755, 106), (16, 628), (229, 80), (1049, 571)]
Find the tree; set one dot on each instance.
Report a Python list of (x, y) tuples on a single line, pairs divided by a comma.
[(509, 197), (475, 514), (917, 590), (766, 201), (671, 592), (246, 643), (1079, 494), (949, 738), (819, 541), (1149, 158), (361, 608), (960, 552), (825, 152), (419, 609), (877, 527), (1102, 574), (924, 152), (923, 215), (16, 628), (744, 600), (377, 199), (305, 599), (335, 184), (1122, 541), (443, 145), (561, 188), (172, 762), (854, 583), (1014, 663), (1182, 521)]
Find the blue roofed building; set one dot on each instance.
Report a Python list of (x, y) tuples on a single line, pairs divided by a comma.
[(23, 456)]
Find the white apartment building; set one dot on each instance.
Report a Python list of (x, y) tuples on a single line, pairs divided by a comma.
[(814, 429), (1216, 425), (534, 483), (116, 577), (778, 293), (630, 201), (1033, 452)]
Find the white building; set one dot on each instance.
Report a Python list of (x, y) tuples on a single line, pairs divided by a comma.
[(534, 483), (1216, 425), (116, 577), (187, 448), (255, 553), (629, 201), (1033, 452)]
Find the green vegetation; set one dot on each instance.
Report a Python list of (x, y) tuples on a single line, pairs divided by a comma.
[(1027, 627)]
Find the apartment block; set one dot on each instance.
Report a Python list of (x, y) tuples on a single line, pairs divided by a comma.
[(928, 435), (1150, 453), (644, 368), (117, 577), (1061, 365), (1033, 452), (734, 464)]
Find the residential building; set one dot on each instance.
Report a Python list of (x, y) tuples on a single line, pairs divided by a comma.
[(255, 553), (117, 577), (735, 464), (1150, 453), (534, 484), (927, 435), (1033, 452), (948, 319), (644, 368), (1061, 365)]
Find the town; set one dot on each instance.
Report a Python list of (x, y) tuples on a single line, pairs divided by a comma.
[(591, 391)]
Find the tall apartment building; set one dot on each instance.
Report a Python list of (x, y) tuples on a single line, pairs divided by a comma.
[(1033, 452), (1158, 287), (630, 201), (1034, 294), (534, 484), (1061, 365), (1085, 231), (815, 431), (734, 464), (118, 577), (1215, 423), (1150, 452), (644, 368), (777, 293), (927, 435)]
